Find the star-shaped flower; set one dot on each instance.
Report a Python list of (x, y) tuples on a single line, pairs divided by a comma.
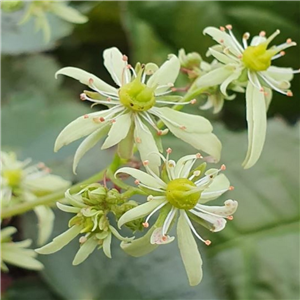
[(16, 253), (250, 65), (21, 182), (134, 109), (179, 191)]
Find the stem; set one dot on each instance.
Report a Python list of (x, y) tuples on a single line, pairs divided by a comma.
[(49, 199)]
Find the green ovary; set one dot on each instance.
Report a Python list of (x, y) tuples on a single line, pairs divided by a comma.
[(13, 177), (137, 96), (180, 193), (258, 58)]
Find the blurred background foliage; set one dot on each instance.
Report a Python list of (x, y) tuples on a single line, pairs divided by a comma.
[(257, 255)]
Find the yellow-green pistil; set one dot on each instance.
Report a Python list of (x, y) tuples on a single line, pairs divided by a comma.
[(13, 177), (180, 193), (258, 58), (137, 96)]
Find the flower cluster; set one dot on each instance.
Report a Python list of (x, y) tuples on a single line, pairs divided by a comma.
[(134, 109), (39, 9), (22, 182), (249, 66), (15, 253), (179, 192), (92, 207)]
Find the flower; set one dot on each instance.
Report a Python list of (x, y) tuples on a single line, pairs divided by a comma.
[(15, 253), (39, 10), (250, 65), (21, 182), (133, 112), (91, 206), (179, 191)]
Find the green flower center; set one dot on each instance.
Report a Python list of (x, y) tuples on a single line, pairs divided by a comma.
[(137, 96), (13, 177), (182, 194), (258, 58)]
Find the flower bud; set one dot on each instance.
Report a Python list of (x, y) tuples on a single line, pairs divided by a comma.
[(191, 60)]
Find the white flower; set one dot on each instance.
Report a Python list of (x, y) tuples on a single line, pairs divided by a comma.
[(39, 9), (21, 182), (133, 114), (180, 191), (15, 253), (250, 65)]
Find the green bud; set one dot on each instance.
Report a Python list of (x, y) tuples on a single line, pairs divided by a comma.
[(191, 60)]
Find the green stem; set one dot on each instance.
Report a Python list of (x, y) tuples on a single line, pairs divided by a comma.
[(48, 199)]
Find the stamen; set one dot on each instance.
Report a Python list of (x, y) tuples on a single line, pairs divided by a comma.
[(138, 140), (85, 116), (223, 168), (83, 96), (289, 93), (137, 182), (125, 58), (146, 162), (198, 155), (231, 188), (155, 210), (169, 150), (268, 80), (145, 224), (168, 220), (150, 197), (245, 38), (230, 218), (222, 28), (288, 41), (163, 132), (262, 34), (207, 242), (193, 229), (229, 27)]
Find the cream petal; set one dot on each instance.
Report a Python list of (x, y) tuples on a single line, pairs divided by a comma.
[(189, 251), (257, 124), (220, 56), (85, 250), (67, 208), (116, 66), (118, 130), (82, 127), (223, 38), (60, 241), (84, 77), (45, 218), (143, 177), (88, 143), (146, 145), (231, 78), (139, 211), (215, 77), (280, 74), (106, 246), (166, 74), (218, 186), (191, 123), (227, 210)]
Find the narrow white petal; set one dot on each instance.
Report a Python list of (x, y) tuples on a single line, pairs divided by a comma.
[(85, 77), (45, 217), (223, 58), (116, 66), (279, 74), (227, 210), (215, 77), (166, 74), (139, 211), (106, 246), (84, 251), (118, 131), (189, 251), (143, 177), (67, 208), (88, 143), (230, 79), (60, 241), (223, 38), (75, 130), (257, 124), (146, 145)]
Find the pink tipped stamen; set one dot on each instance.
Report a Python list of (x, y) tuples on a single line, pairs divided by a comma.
[(138, 140), (155, 210), (223, 168), (245, 39), (198, 155), (125, 58), (145, 224), (229, 27), (288, 41), (193, 229), (85, 116), (207, 242), (231, 188), (289, 93), (222, 28), (83, 96), (230, 218), (169, 150), (146, 162), (262, 34), (137, 182)]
